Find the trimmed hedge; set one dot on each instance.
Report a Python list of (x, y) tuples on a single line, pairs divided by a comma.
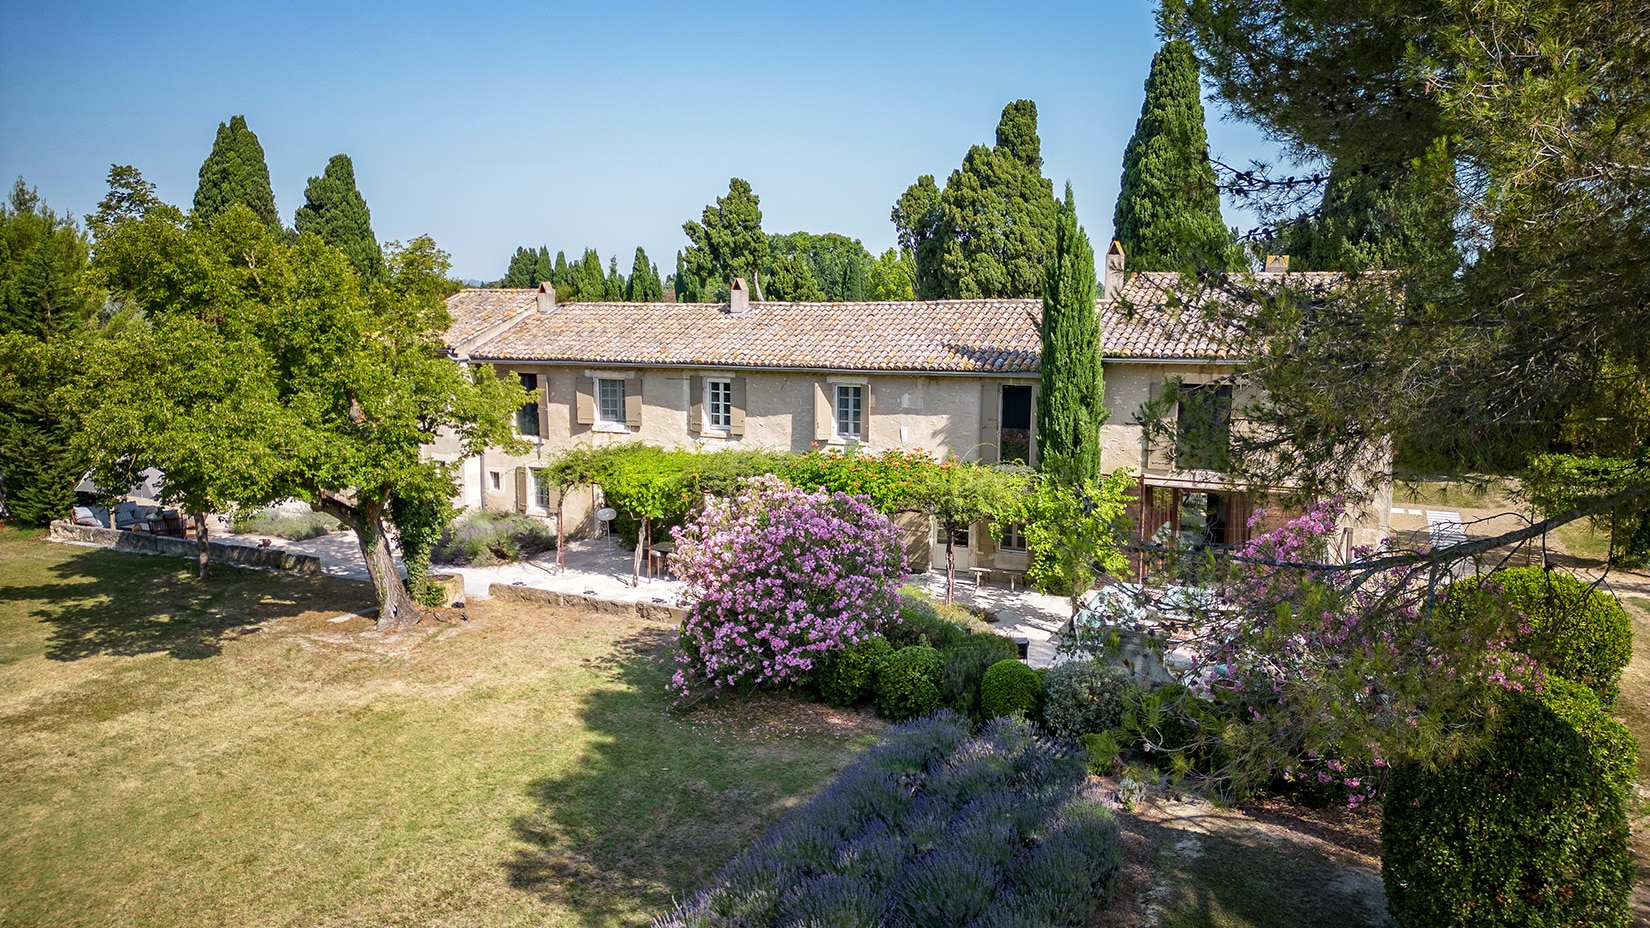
[(964, 670), (1575, 631), (1085, 697), (1530, 830), (907, 682), (929, 828), (1010, 688), (847, 677)]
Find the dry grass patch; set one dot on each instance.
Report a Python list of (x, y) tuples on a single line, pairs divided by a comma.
[(182, 753)]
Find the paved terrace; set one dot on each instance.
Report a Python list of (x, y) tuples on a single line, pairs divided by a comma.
[(600, 568)]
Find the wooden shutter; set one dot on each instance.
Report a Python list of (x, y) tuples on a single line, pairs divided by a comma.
[(696, 403), (524, 489), (991, 432), (584, 402), (824, 427), (736, 416), (633, 402), (985, 547)]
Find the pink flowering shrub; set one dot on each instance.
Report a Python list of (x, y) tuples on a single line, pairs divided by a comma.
[(778, 577)]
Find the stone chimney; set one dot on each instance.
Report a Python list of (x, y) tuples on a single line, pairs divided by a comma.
[(547, 298), (1114, 270), (1277, 264), (739, 297)]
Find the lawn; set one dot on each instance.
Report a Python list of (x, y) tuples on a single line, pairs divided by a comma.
[(246, 751)]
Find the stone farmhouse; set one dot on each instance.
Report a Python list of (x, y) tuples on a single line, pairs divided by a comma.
[(941, 377)]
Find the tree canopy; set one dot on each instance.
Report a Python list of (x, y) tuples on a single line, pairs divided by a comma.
[(989, 232), (335, 210), (728, 242), (644, 285), (266, 370), (235, 172), (1168, 209), (45, 308)]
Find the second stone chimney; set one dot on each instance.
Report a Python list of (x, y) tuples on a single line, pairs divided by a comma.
[(1277, 264), (739, 297), (1114, 270), (547, 298)]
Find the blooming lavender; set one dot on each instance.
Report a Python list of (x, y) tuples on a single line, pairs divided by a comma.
[(777, 578)]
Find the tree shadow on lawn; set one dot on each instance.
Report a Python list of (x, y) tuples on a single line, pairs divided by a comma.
[(111, 603), (661, 800)]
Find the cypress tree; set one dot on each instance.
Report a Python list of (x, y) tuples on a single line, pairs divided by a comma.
[(644, 285), (1072, 403), (587, 279), (561, 276), (520, 271), (335, 210), (235, 172), (1168, 210), (1375, 220), (613, 291)]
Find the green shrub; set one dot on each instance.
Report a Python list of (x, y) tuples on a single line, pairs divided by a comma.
[(846, 677), (1180, 731), (482, 539), (1103, 748), (293, 526), (1009, 688), (1575, 631), (920, 623), (1084, 697), (1528, 830), (907, 682), (964, 668)]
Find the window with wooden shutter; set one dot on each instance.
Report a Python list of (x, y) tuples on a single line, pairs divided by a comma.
[(527, 417), (584, 402), (736, 414), (990, 403), (523, 485), (633, 403), (823, 426)]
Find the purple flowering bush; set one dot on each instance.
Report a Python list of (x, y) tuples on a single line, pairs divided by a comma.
[(778, 578)]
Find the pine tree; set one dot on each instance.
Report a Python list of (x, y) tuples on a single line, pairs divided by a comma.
[(335, 210), (613, 290), (990, 231), (1168, 210), (235, 172), (44, 310), (729, 242), (1072, 403), (643, 285)]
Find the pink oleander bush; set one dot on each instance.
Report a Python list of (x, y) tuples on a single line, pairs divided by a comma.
[(778, 578)]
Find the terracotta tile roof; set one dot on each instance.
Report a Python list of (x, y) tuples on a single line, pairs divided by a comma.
[(477, 310), (998, 336)]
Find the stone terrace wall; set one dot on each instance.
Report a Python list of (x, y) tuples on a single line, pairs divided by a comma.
[(219, 552)]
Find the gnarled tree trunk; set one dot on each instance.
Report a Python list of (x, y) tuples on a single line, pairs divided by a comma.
[(396, 607)]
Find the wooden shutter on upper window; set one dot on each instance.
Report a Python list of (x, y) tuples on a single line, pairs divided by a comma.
[(524, 489), (584, 402), (633, 402), (736, 415), (991, 405), (696, 403), (824, 411)]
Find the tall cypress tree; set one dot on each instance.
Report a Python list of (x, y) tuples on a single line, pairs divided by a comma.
[(1072, 403), (613, 289), (235, 172), (335, 210), (644, 285), (1370, 219), (1168, 210)]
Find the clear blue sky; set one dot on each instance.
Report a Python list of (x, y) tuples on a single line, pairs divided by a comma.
[(492, 125)]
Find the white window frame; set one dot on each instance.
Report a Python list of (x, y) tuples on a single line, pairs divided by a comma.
[(855, 411), (539, 501), (602, 411), (713, 386), (1014, 538)]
